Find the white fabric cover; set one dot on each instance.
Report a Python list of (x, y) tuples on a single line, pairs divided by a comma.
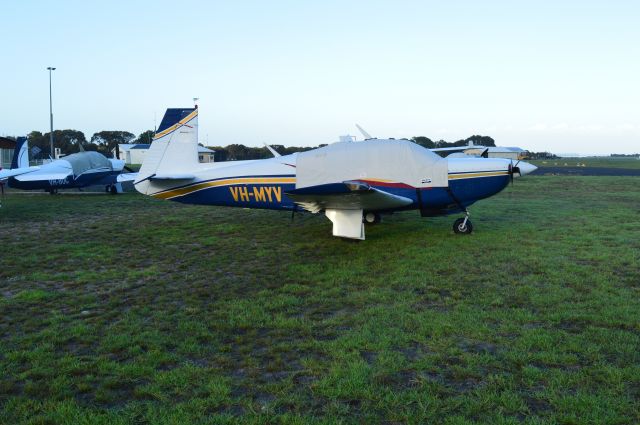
[(84, 161), (397, 161)]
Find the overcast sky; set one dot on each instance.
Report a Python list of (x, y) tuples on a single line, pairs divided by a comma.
[(562, 76)]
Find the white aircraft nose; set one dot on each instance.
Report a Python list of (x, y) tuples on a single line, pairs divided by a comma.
[(526, 168)]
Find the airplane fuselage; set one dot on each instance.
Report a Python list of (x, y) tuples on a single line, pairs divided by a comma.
[(265, 184), (351, 183)]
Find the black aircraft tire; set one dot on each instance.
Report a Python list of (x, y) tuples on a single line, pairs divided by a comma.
[(461, 228), (372, 218), (113, 189)]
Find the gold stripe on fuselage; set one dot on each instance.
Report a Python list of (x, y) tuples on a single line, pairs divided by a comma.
[(479, 174), (171, 193)]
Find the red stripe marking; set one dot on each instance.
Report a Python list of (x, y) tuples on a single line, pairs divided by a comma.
[(388, 184)]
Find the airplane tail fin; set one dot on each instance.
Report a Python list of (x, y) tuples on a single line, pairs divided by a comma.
[(20, 154), (174, 150)]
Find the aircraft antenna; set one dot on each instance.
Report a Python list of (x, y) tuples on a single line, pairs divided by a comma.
[(272, 150), (364, 133)]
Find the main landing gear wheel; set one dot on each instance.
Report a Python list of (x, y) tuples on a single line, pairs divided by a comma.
[(372, 218), (111, 189), (463, 225)]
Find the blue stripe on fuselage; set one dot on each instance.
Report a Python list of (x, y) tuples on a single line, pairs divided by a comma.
[(467, 191)]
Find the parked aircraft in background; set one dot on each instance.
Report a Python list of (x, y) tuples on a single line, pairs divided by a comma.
[(351, 183), (477, 151), (19, 162), (77, 170)]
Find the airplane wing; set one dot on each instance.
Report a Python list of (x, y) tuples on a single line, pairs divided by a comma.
[(5, 174), (42, 175), (349, 195), (461, 149), (126, 177), (453, 149)]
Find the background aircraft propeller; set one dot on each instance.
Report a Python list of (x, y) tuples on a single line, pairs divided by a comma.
[(514, 169)]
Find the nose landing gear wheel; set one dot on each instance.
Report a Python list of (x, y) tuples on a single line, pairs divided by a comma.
[(462, 225)]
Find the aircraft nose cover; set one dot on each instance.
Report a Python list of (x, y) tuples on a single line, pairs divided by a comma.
[(393, 161)]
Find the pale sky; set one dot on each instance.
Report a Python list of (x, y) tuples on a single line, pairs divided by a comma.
[(562, 76)]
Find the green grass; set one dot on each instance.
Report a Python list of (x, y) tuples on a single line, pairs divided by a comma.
[(125, 309), (606, 162)]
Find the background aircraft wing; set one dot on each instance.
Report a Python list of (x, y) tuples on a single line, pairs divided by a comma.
[(350, 195), (452, 149), (5, 174), (43, 175)]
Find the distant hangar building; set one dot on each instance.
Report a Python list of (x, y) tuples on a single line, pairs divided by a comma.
[(135, 153), (6, 152)]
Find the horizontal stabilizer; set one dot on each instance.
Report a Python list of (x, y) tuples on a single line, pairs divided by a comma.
[(350, 195), (126, 177), (181, 176)]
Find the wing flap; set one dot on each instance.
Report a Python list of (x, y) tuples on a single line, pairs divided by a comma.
[(346, 196)]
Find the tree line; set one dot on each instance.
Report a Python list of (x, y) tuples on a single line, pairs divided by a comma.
[(69, 141), (236, 152)]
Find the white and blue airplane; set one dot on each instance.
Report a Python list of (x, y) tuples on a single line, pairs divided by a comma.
[(351, 182), (77, 170)]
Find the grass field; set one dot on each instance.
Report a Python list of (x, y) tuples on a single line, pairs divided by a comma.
[(124, 309), (604, 162)]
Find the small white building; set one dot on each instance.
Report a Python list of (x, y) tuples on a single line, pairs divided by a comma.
[(135, 153)]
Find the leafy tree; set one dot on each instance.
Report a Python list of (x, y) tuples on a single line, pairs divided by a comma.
[(107, 140), (423, 141), (68, 141), (146, 137), (481, 140)]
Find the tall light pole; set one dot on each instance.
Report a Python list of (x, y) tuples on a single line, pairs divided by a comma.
[(51, 114)]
